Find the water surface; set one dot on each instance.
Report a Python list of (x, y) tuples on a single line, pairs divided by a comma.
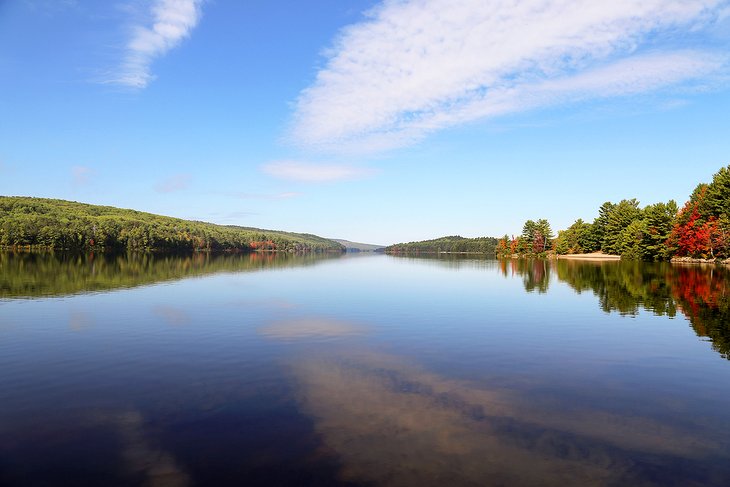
[(268, 369)]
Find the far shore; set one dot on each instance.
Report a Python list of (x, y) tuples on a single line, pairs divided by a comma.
[(591, 256)]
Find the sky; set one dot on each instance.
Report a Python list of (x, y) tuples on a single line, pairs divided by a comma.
[(377, 122)]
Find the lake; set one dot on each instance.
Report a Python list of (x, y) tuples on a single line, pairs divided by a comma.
[(266, 369)]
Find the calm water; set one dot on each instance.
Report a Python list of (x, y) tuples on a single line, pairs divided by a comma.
[(365, 370)]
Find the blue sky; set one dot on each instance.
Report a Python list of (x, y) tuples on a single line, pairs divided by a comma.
[(371, 121)]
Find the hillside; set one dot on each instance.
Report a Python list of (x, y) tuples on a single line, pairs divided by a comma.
[(68, 225), (456, 243), (358, 247)]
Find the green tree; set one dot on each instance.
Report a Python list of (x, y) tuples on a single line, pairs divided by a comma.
[(716, 200), (594, 239), (524, 242), (658, 222), (536, 237), (629, 242), (619, 217), (575, 239)]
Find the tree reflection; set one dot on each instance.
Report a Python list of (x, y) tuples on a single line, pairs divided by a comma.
[(623, 287), (27, 274), (701, 294), (535, 273)]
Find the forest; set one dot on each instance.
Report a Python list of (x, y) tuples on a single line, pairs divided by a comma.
[(661, 231), (39, 223), (456, 244)]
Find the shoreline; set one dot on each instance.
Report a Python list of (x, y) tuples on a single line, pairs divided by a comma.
[(692, 260), (598, 256)]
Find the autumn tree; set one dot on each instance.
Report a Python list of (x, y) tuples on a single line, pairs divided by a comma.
[(702, 228)]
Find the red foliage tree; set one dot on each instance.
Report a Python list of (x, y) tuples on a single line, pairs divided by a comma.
[(693, 235)]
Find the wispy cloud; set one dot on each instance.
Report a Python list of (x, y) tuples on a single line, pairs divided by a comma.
[(174, 183), (81, 175), (314, 173), (49, 7), (267, 196), (416, 66), (237, 215), (227, 216), (172, 315), (165, 25), (724, 14)]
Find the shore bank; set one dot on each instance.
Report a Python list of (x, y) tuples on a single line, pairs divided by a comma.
[(592, 256), (690, 260)]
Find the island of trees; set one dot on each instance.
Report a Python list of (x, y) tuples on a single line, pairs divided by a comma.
[(38, 223), (452, 244)]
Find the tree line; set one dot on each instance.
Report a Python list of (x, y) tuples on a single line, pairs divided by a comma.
[(65, 225), (700, 229), (450, 244)]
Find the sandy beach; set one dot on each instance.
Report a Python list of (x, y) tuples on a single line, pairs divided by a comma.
[(591, 256)]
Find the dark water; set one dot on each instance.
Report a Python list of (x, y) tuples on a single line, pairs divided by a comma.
[(369, 370)]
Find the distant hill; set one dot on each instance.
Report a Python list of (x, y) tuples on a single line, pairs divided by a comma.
[(359, 247), (454, 243), (68, 225)]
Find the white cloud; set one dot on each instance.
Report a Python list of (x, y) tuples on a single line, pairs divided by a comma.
[(49, 7), (168, 22), (266, 196), (414, 66), (630, 76), (81, 175), (6, 168), (174, 183), (225, 217), (309, 172), (724, 14)]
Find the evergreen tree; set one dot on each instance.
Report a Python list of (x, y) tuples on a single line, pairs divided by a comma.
[(594, 240), (619, 217), (575, 240), (658, 223), (716, 200)]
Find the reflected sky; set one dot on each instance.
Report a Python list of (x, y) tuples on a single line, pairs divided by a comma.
[(394, 424), (371, 370)]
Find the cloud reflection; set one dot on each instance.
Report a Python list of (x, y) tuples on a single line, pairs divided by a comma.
[(171, 315), (301, 328), (80, 321), (157, 467), (394, 424)]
